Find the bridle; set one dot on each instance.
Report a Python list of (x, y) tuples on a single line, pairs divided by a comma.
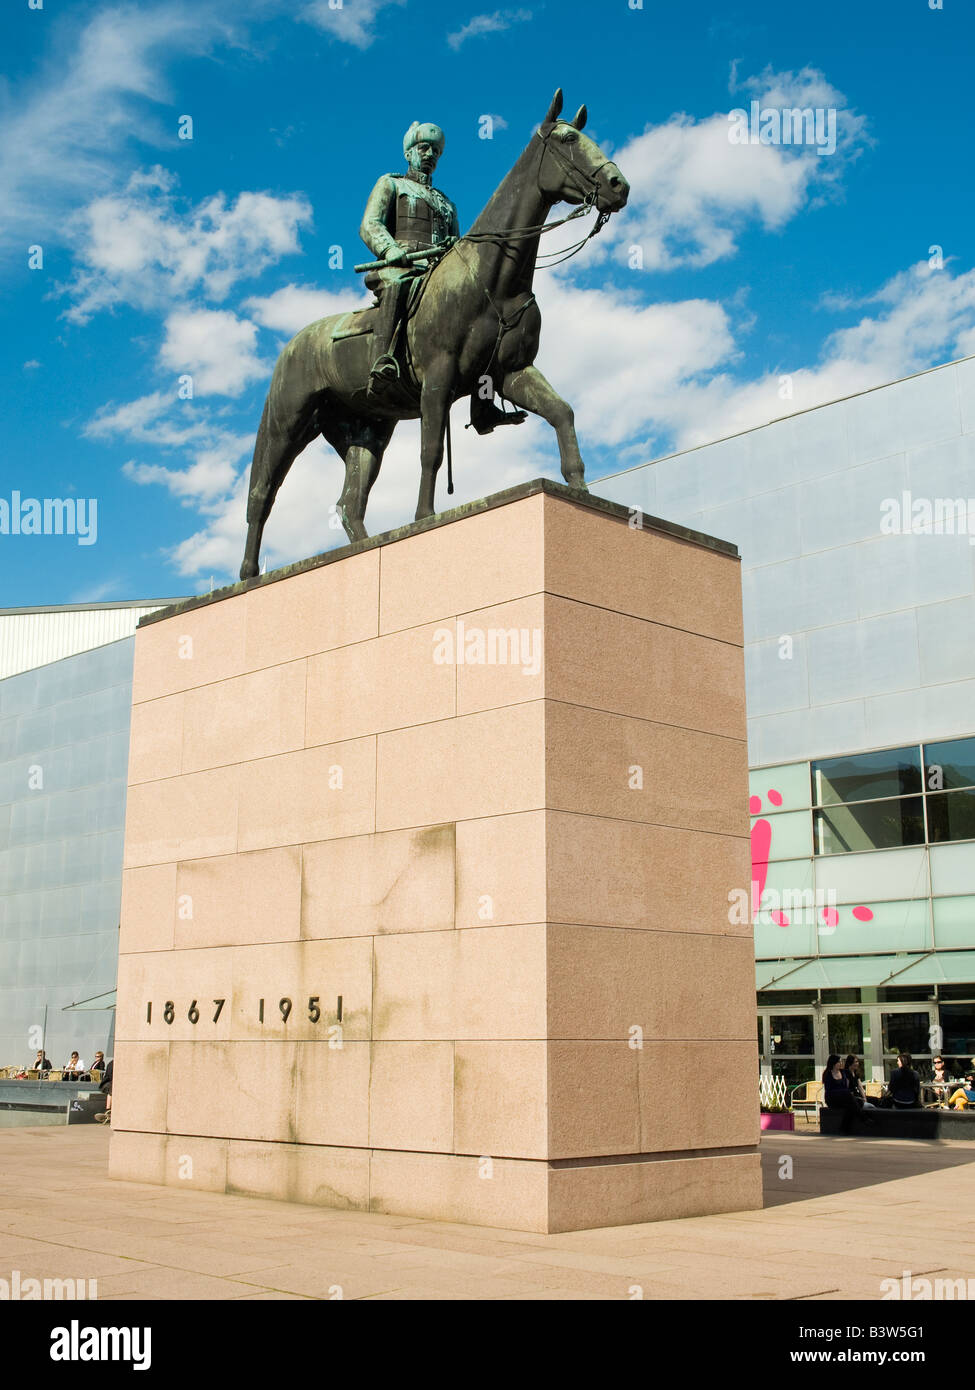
[(516, 234)]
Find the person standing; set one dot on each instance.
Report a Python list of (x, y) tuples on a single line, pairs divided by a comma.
[(105, 1116)]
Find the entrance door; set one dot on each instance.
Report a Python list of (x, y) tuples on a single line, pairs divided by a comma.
[(792, 1046), (845, 1032)]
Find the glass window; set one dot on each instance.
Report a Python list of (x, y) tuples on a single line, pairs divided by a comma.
[(782, 788), (794, 1031), (907, 1032), (958, 1033), (795, 1070), (866, 776), (786, 996), (845, 1034), (870, 825), (892, 994), (951, 816), (950, 764)]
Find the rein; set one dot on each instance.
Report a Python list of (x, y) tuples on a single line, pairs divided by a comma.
[(517, 234)]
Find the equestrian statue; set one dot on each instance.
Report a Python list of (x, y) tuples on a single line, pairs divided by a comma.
[(456, 316)]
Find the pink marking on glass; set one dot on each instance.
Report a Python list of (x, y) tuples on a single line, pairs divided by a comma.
[(863, 914), (830, 916), (779, 918), (754, 805), (775, 798), (761, 840)]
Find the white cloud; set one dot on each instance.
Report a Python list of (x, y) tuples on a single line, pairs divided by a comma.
[(621, 362), (209, 478), (354, 21), (692, 190), (651, 378), (925, 316), (299, 525), (142, 420), (293, 307), (60, 133), (139, 247), (215, 347), (494, 23)]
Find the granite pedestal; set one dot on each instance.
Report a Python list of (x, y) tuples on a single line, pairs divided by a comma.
[(429, 848)]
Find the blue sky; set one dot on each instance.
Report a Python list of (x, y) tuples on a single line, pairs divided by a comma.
[(165, 257)]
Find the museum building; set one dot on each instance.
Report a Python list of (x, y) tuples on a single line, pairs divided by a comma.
[(855, 522), (857, 538), (65, 701)]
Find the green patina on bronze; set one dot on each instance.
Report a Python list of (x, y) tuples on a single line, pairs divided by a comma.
[(467, 327)]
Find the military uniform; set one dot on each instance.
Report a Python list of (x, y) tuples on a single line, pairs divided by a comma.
[(406, 213)]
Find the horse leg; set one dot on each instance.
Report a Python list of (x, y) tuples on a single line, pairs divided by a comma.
[(434, 408), (527, 387), (362, 452), (274, 453)]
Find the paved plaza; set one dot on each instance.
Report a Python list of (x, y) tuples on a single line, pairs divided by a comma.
[(854, 1212)]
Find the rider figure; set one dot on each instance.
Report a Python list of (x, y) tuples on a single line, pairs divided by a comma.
[(406, 213)]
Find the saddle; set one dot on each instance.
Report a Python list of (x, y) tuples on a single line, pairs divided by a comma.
[(404, 391)]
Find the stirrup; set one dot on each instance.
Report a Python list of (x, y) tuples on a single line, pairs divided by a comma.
[(384, 369)]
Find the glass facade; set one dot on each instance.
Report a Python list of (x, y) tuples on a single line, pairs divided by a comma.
[(860, 675), (64, 734)]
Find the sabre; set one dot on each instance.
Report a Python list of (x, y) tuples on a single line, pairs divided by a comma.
[(410, 256)]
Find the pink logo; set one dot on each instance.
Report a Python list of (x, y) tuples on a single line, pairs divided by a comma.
[(761, 836)]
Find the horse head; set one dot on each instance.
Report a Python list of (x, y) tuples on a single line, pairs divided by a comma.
[(573, 169)]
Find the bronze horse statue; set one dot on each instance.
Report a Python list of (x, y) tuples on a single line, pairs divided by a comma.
[(475, 319)]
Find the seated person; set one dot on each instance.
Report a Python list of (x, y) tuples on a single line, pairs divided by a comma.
[(939, 1080), (836, 1091), (904, 1087), (41, 1062), (74, 1068), (965, 1095), (98, 1062), (851, 1069)]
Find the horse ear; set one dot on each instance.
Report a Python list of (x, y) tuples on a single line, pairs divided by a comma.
[(580, 118), (553, 111)]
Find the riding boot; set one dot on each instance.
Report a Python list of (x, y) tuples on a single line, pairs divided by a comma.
[(485, 416), (385, 367)]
